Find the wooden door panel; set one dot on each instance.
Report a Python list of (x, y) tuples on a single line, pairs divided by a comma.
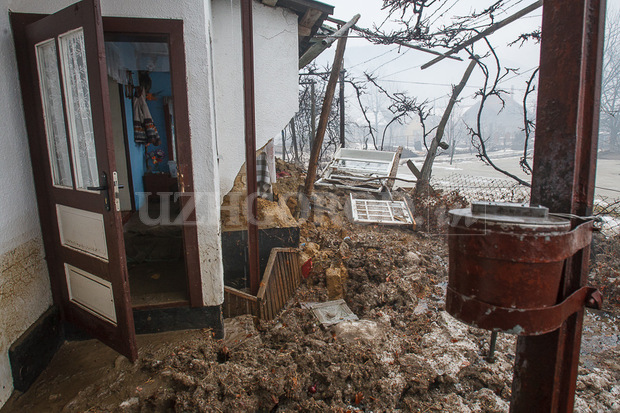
[(82, 230), (89, 265)]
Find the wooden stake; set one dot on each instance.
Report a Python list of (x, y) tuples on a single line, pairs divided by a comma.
[(325, 111)]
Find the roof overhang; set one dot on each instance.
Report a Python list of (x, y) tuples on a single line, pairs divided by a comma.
[(311, 15)]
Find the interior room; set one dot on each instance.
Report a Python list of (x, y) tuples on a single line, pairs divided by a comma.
[(143, 123)]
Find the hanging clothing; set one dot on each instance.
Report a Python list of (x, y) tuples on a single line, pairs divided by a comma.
[(263, 179), (143, 126)]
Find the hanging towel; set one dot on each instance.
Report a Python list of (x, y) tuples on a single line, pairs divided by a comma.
[(143, 126)]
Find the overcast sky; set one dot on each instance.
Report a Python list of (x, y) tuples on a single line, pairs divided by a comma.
[(398, 68)]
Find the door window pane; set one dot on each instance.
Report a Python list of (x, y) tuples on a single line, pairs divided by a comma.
[(51, 96), (75, 75)]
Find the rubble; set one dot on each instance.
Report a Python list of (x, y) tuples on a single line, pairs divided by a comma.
[(331, 312), (405, 353)]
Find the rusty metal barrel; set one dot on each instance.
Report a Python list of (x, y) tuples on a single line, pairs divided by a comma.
[(506, 265)]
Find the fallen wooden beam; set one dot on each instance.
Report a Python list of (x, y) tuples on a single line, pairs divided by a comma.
[(394, 170), (325, 111)]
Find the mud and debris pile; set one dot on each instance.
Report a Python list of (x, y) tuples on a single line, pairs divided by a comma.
[(274, 211), (605, 270), (405, 353)]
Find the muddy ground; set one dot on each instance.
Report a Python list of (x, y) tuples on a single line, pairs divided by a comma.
[(404, 354)]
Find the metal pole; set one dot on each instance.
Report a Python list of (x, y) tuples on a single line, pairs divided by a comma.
[(584, 183), (294, 139), (492, 343), (283, 146), (312, 116), (563, 180), (250, 142), (342, 140)]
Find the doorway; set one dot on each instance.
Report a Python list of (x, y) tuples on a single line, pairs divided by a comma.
[(62, 67), (155, 196), (142, 112)]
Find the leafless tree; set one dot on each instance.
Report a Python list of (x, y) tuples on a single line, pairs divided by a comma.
[(493, 75), (610, 90), (419, 22), (402, 107), (528, 123)]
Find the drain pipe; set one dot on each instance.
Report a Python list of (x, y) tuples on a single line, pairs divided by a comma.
[(247, 29)]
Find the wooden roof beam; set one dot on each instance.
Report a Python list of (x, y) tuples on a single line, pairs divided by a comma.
[(308, 20)]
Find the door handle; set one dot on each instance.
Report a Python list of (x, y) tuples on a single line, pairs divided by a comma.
[(103, 186), (97, 188)]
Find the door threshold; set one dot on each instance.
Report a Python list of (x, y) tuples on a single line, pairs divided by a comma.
[(173, 304)]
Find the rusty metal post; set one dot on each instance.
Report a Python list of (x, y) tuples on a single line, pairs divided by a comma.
[(563, 180), (247, 28)]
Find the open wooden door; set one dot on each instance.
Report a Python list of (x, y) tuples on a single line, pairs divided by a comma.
[(73, 162)]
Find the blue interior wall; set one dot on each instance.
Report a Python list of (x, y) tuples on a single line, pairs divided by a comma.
[(160, 88), (136, 156)]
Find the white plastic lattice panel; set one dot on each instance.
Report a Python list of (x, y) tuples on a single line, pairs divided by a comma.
[(372, 211), (360, 162), (331, 312), (358, 169)]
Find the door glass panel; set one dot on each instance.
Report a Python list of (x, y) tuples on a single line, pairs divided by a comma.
[(47, 62), (77, 92)]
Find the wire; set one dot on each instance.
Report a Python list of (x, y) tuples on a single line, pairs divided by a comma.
[(403, 70), (607, 189), (573, 216), (374, 58), (390, 61)]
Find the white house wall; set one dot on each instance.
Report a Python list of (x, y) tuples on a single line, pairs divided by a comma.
[(276, 79), (196, 16), (24, 285)]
